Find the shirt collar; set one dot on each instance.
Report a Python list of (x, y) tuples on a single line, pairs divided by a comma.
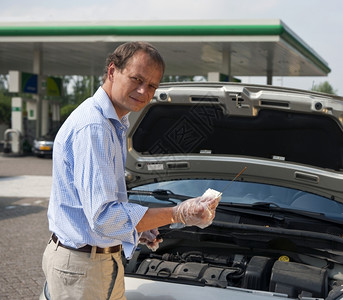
[(108, 110)]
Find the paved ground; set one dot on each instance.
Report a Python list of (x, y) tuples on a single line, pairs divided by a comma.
[(24, 190)]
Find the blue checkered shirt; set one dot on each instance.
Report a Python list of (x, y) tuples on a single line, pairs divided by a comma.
[(88, 202)]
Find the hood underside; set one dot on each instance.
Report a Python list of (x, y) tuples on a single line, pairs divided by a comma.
[(285, 136)]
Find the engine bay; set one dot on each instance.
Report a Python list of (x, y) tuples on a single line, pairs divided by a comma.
[(295, 275)]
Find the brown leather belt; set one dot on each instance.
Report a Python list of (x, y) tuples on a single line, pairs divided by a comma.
[(88, 248)]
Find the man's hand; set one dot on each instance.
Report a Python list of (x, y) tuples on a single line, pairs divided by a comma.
[(198, 211), (150, 239)]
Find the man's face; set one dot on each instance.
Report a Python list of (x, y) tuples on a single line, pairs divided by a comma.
[(133, 88)]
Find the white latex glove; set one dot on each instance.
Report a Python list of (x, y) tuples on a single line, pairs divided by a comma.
[(198, 211), (149, 238)]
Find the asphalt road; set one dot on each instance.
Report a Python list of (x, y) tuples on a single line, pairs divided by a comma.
[(24, 195)]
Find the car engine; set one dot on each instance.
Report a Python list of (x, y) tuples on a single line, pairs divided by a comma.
[(294, 275)]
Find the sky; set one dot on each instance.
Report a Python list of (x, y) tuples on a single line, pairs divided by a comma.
[(318, 23)]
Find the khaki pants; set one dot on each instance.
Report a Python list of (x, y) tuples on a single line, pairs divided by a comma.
[(78, 275)]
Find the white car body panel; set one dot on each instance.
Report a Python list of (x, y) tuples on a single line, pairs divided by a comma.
[(145, 289)]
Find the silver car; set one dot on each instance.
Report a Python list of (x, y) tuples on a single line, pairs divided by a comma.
[(43, 146), (279, 225), (276, 155)]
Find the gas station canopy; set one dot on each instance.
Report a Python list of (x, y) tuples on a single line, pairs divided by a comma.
[(235, 48), (220, 50)]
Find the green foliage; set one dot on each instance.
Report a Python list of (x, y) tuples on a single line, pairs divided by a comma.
[(5, 112), (5, 102), (176, 78), (79, 88), (76, 90), (66, 110), (3, 82), (324, 87)]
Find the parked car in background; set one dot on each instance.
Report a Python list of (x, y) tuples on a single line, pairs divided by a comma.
[(278, 230), (43, 146)]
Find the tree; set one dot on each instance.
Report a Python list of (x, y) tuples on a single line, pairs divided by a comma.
[(5, 102), (182, 78), (324, 87), (76, 90), (83, 87), (66, 110)]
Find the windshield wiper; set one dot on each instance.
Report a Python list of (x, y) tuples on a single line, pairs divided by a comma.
[(160, 194), (248, 209), (270, 207)]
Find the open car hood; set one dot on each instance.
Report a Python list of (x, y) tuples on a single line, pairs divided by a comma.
[(286, 137)]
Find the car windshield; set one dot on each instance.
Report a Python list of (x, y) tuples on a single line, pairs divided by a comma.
[(238, 193)]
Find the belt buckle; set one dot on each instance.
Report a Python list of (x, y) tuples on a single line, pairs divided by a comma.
[(107, 250)]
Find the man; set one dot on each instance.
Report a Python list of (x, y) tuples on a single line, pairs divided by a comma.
[(88, 213)]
